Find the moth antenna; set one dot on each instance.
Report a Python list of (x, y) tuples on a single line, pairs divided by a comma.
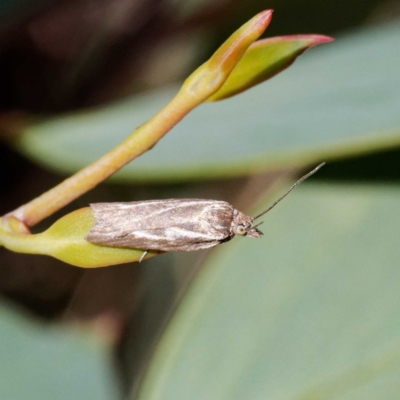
[(303, 178), (258, 225)]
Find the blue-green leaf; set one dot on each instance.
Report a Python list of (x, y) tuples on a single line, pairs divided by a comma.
[(336, 101), (47, 363), (308, 312)]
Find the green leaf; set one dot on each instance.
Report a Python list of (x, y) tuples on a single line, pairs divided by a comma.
[(47, 363), (263, 60), (308, 312), (340, 100), (212, 75), (66, 241)]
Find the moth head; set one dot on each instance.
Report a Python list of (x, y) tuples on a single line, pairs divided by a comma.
[(254, 232), (243, 226)]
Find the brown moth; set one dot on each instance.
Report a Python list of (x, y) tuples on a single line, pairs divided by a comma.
[(173, 224)]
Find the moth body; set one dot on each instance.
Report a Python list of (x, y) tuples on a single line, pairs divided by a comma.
[(168, 225), (174, 224)]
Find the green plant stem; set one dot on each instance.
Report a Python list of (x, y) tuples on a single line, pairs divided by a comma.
[(141, 140), (205, 81)]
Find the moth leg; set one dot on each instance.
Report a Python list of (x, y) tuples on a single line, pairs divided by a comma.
[(143, 255)]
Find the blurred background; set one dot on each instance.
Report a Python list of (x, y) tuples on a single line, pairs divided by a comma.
[(76, 76)]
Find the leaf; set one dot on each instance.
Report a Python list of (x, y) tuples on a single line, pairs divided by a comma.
[(264, 59), (42, 363), (212, 75), (308, 312), (66, 241), (339, 101)]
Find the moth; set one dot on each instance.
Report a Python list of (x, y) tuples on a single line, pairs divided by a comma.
[(174, 224)]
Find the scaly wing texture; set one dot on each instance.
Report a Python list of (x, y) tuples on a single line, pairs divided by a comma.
[(168, 225)]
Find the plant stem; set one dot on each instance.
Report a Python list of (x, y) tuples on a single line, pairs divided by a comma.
[(200, 85), (141, 140)]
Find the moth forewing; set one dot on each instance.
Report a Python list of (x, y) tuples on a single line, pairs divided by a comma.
[(167, 225)]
